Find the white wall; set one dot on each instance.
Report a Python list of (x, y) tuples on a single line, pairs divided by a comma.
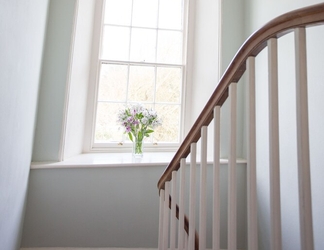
[(258, 13), (77, 85), (213, 42), (203, 58), (316, 90), (22, 32)]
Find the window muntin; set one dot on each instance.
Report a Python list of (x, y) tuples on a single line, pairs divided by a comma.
[(141, 60)]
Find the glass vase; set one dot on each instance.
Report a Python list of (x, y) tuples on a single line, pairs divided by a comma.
[(137, 148)]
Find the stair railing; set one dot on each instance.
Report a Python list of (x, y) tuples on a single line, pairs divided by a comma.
[(172, 214)]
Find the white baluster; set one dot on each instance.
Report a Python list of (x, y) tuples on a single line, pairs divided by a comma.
[(173, 210), (161, 220), (192, 196), (232, 199), (166, 216), (251, 159), (181, 204), (216, 180), (304, 179), (203, 191), (276, 241)]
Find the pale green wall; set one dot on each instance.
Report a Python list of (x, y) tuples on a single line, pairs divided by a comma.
[(93, 207), (22, 32), (240, 18), (232, 37), (233, 25), (53, 81), (58, 214), (204, 71), (111, 207), (207, 62), (258, 12)]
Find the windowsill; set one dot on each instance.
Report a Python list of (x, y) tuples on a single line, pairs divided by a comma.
[(108, 160), (98, 160)]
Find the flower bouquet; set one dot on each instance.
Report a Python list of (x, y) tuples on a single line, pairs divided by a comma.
[(138, 123)]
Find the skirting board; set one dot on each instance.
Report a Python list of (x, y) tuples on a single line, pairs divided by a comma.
[(84, 248)]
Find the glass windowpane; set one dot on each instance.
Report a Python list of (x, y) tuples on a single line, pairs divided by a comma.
[(141, 84), (118, 12), (107, 128), (168, 85), (170, 14), (143, 45), (113, 82), (169, 47), (115, 44), (169, 131), (130, 30), (145, 13)]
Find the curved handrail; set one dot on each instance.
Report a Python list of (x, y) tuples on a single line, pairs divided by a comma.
[(276, 28)]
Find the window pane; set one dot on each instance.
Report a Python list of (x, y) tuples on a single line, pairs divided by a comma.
[(170, 15), (145, 13), (118, 12), (112, 83), (141, 84), (143, 45), (115, 44), (168, 85), (169, 47), (169, 131), (134, 59), (107, 128)]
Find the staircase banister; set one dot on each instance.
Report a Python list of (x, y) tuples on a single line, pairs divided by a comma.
[(278, 27), (186, 223)]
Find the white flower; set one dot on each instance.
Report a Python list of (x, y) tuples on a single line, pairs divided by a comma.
[(152, 113), (144, 120), (145, 112)]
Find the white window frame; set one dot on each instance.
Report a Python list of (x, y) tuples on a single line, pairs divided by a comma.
[(89, 144)]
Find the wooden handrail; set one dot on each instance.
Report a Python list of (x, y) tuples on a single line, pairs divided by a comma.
[(276, 28)]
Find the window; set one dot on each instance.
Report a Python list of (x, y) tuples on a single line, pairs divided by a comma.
[(141, 59)]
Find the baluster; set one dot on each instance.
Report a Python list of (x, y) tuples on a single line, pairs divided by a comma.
[(181, 203), (251, 159), (216, 180), (186, 241), (161, 247), (173, 210), (203, 190), (192, 196), (276, 241), (305, 197), (166, 216), (232, 199)]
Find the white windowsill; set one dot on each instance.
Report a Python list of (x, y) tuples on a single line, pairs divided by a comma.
[(108, 160), (93, 160)]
